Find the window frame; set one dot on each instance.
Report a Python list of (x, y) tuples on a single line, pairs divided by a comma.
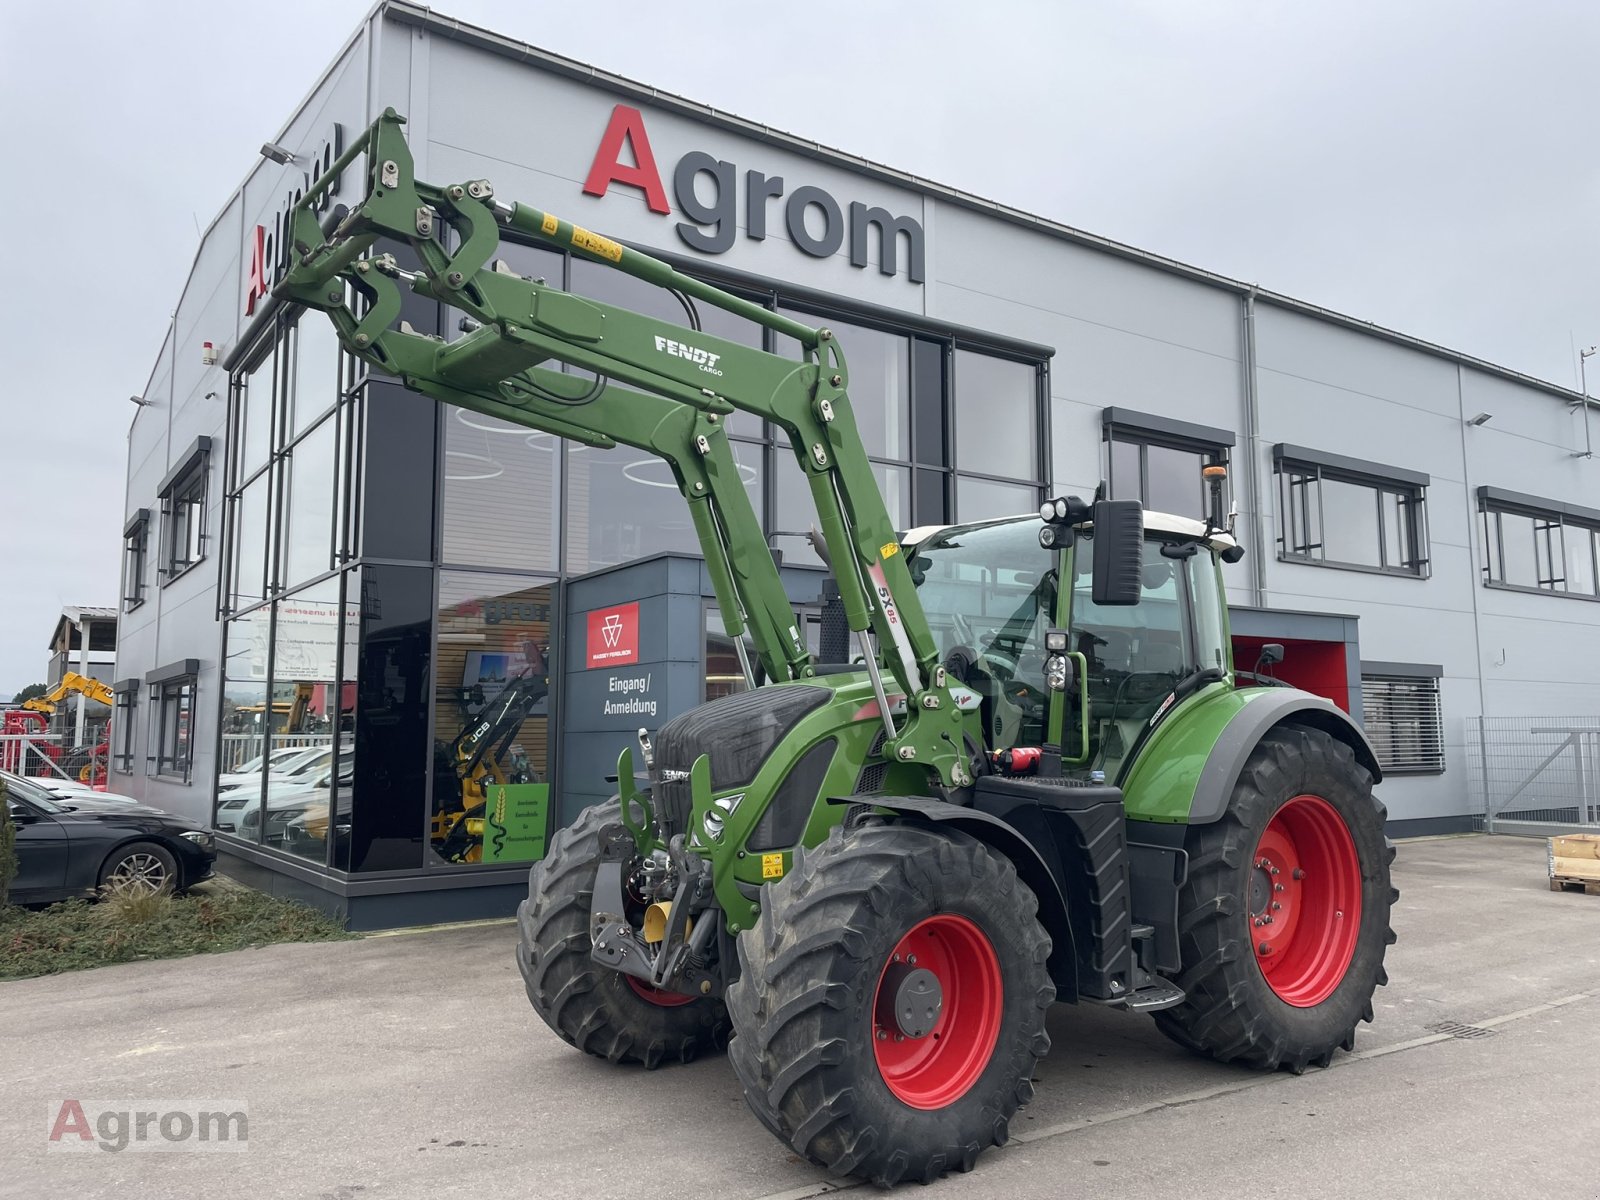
[(1298, 468), (1557, 518), (167, 697), (1425, 680), (186, 486), (135, 559), (123, 715), (1124, 426)]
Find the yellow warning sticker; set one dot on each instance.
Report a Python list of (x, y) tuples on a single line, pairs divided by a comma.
[(604, 247), (548, 225), (772, 866), (889, 551)]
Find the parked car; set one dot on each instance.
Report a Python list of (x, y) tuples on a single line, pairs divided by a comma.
[(286, 808), (75, 850), (234, 802), (284, 761), (67, 790)]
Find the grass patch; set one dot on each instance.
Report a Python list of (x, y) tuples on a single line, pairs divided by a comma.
[(126, 927)]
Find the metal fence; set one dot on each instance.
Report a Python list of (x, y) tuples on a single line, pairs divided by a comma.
[(1534, 775), (35, 754), (239, 748)]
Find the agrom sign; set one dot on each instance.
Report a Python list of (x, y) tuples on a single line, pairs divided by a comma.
[(816, 222), (269, 249)]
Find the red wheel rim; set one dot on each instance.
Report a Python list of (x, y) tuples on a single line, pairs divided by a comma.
[(657, 996), (937, 1070), (1305, 901)]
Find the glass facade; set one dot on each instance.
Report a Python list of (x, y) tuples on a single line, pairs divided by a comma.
[(393, 567)]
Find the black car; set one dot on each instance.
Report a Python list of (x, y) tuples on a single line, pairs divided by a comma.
[(74, 849)]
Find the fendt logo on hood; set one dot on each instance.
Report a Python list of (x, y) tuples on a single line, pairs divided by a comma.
[(814, 221), (703, 359)]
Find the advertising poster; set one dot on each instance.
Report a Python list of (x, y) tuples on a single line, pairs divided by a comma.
[(514, 821)]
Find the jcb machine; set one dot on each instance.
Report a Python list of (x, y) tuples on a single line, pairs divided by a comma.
[(1034, 778)]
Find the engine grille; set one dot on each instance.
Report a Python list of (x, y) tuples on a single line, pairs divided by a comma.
[(737, 732)]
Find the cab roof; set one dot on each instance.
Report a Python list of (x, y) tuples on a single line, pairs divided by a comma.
[(1154, 522)]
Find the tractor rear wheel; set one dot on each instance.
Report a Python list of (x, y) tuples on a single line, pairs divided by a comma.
[(600, 1011), (1284, 920), (890, 1007)]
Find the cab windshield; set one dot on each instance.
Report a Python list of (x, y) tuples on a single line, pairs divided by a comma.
[(989, 592)]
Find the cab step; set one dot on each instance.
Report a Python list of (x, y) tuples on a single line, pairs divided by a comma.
[(1152, 997)]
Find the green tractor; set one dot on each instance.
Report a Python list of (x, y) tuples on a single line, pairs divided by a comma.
[(1035, 776)]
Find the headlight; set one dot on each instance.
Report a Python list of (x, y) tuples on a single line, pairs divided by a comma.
[(714, 818), (200, 837)]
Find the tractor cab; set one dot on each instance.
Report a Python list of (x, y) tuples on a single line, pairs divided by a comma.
[(993, 594)]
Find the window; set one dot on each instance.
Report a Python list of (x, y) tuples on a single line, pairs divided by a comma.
[(1341, 512), (1157, 460), (173, 700), (122, 727), (135, 544), (290, 426), (1536, 545), (491, 709), (1400, 708), (183, 511)]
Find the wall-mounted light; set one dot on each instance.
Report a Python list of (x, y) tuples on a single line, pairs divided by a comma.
[(1480, 419), (277, 153), (139, 400)]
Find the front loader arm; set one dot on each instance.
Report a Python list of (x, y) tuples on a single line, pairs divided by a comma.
[(656, 386)]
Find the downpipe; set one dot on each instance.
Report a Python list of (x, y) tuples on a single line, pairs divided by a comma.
[(1252, 429)]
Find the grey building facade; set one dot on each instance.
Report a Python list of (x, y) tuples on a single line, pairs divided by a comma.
[(319, 562)]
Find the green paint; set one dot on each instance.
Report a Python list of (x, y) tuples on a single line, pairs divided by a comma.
[(515, 819), (1160, 785)]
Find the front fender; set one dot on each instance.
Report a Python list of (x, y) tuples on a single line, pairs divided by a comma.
[(1031, 869), (1187, 770)]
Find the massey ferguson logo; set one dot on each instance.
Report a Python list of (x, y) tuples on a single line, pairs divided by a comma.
[(614, 636), (703, 359)]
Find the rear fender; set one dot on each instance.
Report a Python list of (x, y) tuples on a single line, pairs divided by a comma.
[(1187, 770), (1030, 864)]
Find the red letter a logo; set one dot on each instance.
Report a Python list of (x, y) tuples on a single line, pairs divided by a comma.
[(626, 124), (256, 286), (71, 1120)]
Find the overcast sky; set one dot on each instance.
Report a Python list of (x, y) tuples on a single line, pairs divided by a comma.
[(1431, 166)]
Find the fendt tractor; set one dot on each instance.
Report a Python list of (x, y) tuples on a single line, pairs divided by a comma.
[(1024, 769)]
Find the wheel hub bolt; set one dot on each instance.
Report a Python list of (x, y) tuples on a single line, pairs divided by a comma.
[(1274, 870), (1264, 948), (1276, 906), (1277, 887), (1299, 874)]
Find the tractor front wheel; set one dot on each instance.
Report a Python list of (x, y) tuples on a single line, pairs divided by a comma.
[(600, 1011), (891, 1001), (1284, 920)]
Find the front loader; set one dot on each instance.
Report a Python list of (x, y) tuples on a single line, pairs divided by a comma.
[(1034, 777)]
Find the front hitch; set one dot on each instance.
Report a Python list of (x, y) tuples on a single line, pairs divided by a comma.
[(673, 964)]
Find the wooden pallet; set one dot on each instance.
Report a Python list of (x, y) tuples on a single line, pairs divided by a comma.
[(1589, 887), (1575, 863)]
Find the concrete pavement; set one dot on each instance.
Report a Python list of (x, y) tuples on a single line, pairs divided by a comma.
[(411, 1066)]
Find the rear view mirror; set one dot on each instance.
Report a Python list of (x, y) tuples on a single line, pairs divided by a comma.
[(1118, 552)]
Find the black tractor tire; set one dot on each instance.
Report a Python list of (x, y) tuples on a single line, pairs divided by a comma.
[(591, 1007), (805, 1006), (1233, 1013), (140, 868)]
